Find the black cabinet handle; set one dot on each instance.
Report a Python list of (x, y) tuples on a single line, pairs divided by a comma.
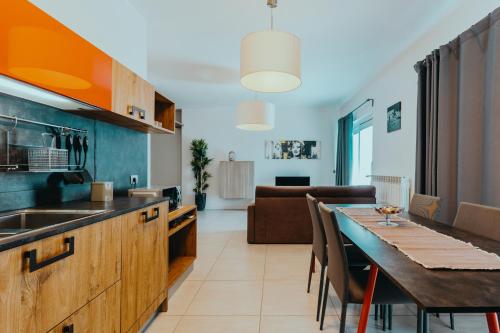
[(151, 218), (34, 265), (68, 329)]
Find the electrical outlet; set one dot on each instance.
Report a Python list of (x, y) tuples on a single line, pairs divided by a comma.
[(134, 179)]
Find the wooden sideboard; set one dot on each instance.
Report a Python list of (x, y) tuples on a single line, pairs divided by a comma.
[(236, 179)]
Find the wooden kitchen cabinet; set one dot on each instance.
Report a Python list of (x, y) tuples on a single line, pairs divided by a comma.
[(37, 49), (101, 315), (66, 272), (133, 96), (144, 263)]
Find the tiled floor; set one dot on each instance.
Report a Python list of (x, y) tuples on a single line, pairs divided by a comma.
[(239, 288)]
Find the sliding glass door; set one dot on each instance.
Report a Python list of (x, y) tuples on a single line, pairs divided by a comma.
[(362, 150)]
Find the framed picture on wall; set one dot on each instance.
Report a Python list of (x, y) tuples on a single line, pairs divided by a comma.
[(293, 150), (394, 117)]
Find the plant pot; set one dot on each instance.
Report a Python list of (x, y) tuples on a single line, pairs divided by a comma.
[(200, 200)]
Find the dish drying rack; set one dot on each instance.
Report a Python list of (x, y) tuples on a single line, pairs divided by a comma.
[(40, 159)]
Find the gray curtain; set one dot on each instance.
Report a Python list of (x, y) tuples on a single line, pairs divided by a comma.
[(344, 150), (427, 124), (459, 115)]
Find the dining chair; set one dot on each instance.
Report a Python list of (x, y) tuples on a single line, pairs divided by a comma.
[(319, 250), (350, 284), (425, 206), (429, 207), (478, 219)]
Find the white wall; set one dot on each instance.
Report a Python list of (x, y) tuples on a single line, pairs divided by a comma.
[(114, 26), (217, 127), (166, 155), (394, 153)]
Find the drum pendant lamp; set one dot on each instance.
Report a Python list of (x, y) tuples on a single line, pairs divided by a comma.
[(255, 116), (270, 59)]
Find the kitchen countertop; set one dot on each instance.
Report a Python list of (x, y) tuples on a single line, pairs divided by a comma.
[(119, 206)]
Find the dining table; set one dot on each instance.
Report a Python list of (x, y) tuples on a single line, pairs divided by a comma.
[(433, 290)]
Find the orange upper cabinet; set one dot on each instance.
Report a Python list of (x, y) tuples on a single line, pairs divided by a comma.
[(37, 49)]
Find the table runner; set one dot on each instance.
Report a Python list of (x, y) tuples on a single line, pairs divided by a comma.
[(424, 246)]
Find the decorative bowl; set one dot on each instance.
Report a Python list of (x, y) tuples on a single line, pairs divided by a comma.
[(388, 211)]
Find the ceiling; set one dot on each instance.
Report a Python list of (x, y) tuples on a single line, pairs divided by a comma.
[(193, 46)]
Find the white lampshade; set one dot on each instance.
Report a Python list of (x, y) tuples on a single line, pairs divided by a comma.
[(270, 61), (255, 116)]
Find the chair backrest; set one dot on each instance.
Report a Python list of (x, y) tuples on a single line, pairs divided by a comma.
[(478, 219), (319, 237), (338, 269), (425, 206)]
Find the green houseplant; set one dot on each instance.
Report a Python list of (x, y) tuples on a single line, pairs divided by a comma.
[(199, 164)]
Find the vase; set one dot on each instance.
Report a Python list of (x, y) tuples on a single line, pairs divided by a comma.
[(200, 200)]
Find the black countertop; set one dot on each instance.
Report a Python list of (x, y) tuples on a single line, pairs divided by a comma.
[(119, 206)]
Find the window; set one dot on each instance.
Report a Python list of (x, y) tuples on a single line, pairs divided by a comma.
[(362, 149)]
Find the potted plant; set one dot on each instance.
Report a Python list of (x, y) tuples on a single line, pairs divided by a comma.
[(199, 164)]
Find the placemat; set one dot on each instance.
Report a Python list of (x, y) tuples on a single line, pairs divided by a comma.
[(425, 246)]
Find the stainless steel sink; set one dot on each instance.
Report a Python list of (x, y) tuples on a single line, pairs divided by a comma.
[(22, 221)]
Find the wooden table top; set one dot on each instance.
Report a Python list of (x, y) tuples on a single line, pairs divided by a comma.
[(432, 290)]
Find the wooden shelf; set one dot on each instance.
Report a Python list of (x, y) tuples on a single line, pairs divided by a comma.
[(164, 113), (182, 242), (161, 130), (177, 267), (120, 120), (181, 211), (182, 225)]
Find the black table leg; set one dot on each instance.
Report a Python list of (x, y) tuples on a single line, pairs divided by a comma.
[(419, 321), (389, 315)]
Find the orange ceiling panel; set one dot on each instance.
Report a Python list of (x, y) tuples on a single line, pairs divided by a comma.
[(36, 48)]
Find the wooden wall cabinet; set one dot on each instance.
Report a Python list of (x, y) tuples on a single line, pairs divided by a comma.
[(37, 49), (236, 179), (145, 262), (36, 299), (133, 96)]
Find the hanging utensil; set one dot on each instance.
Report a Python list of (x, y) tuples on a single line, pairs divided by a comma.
[(85, 150), (69, 147), (78, 145), (58, 140), (50, 143)]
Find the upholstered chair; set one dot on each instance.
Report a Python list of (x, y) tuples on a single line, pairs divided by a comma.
[(425, 206), (349, 284), (319, 250), (478, 219)]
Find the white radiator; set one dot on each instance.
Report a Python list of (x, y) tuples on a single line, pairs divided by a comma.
[(392, 190)]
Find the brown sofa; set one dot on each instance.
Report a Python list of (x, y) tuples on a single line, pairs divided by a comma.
[(280, 214)]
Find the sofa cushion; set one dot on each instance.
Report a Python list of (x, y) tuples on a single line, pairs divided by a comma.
[(343, 191), (282, 191)]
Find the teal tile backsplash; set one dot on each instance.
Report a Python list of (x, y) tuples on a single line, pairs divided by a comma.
[(114, 154)]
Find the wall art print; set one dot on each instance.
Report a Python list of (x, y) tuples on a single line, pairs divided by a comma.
[(293, 150), (394, 117)]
